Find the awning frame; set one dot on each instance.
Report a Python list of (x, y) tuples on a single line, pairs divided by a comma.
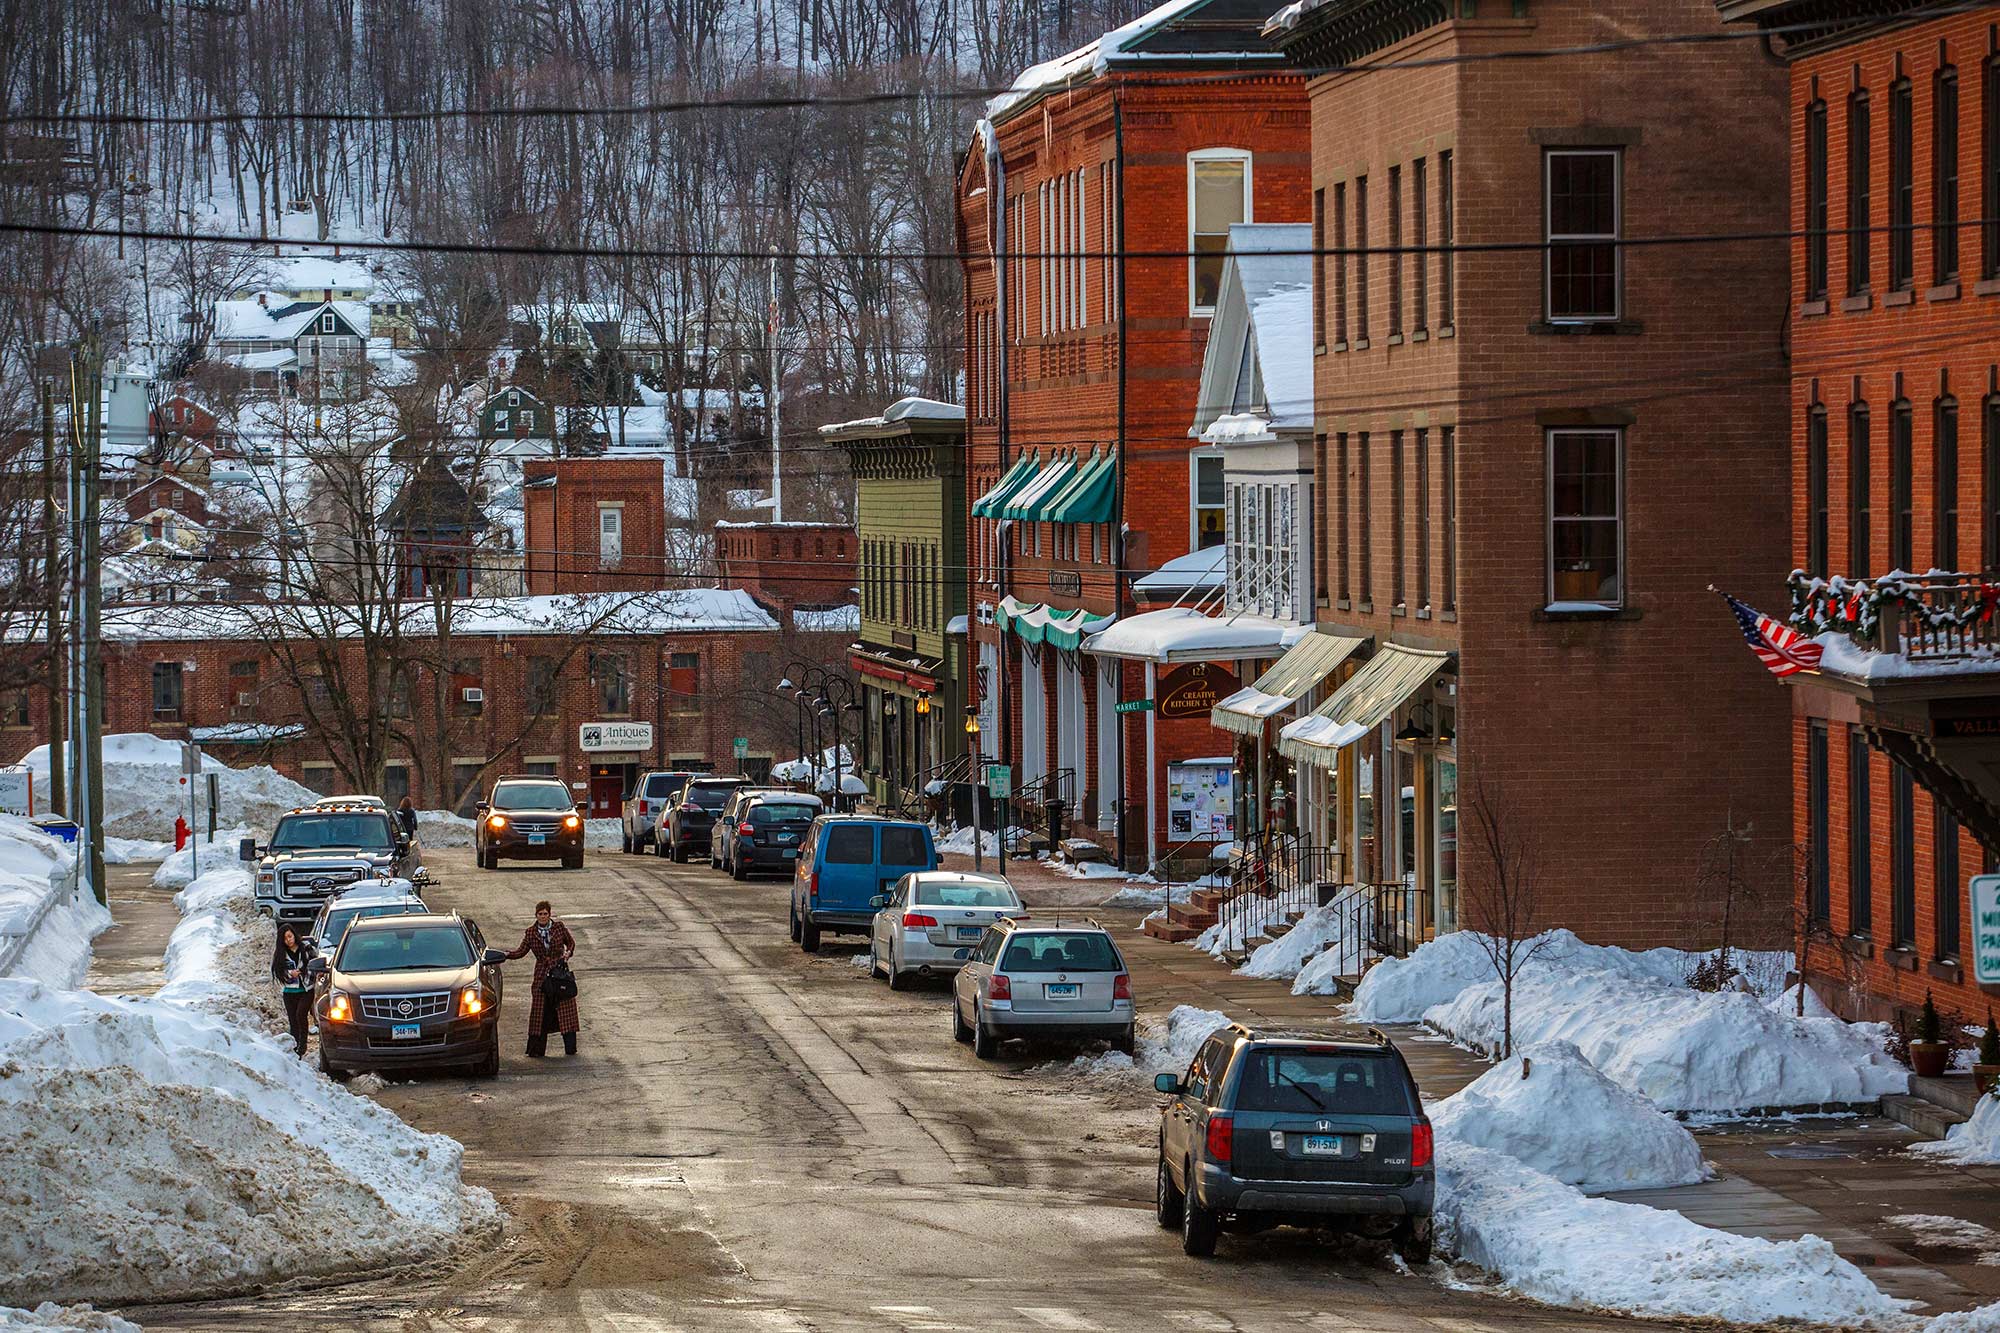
[(1024, 467), (1363, 702), (1291, 678)]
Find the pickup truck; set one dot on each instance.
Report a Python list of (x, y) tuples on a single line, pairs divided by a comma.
[(317, 851)]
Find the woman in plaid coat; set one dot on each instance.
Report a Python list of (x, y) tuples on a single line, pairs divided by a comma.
[(550, 941)]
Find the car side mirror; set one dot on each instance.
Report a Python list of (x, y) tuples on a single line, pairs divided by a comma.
[(482, 806), (879, 900), (246, 850), (583, 807), (402, 846), (1167, 1083), (493, 956), (315, 967)]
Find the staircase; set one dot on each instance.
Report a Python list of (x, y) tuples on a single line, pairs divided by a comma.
[(1933, 1105), (1186, 919)]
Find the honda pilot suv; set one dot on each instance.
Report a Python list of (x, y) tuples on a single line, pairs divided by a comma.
[(317, 851), (1288, 1129), (409, 991), (528, 819)]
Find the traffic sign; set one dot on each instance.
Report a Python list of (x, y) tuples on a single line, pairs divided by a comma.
[(1986, 929), (999, 781), (1134, 706), (742, 745)]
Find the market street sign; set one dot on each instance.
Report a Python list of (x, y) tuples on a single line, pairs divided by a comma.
[(1192, 689), (999, 781), (1134, 706), (595, 737), (1986, 930)]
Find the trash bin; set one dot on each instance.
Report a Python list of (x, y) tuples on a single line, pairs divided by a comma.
[(1057, 811), (57, 827)]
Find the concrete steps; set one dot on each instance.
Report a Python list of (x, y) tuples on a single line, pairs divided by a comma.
[(1933, 1105)]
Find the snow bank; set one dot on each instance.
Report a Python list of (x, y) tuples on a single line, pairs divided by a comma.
[(143, 794), (219, 957), (1161, 1048), (1566, 1120), (1282, 958), (1549, 1242), (157, 1152), (32, 867), (177, 868), (49, 1315), (1239, 923), (1974, 1143), (1138, 893), (959, 841), (603, 834), (126, 851), (442, 828)]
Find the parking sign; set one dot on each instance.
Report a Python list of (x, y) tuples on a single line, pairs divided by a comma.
[(1986, 929)]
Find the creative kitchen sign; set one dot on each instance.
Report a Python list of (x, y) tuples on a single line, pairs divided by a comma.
[(597, 737), (1193, 688)]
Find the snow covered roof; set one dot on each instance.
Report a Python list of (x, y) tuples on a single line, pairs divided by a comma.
[(1182, 634), (903, 409), (308, 273), (1229, 32), (1196, 569), (274, 322), (683, 610), (1257, 372)]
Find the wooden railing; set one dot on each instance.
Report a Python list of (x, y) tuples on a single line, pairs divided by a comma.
[(1922, 617)]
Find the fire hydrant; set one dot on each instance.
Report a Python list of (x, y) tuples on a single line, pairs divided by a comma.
[(181, 832)]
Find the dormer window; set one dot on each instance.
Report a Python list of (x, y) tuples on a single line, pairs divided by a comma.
[(513, 398), (326, 322)]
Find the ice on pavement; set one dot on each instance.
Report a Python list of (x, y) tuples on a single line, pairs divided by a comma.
[(143, 794), (1566, 1120)]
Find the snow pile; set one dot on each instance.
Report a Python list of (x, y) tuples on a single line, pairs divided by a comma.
[(1550, 1242), (32, 867), (442, 828), (177, 870), (604, 835), (157, 1152), (125, 851), (1974, 1143), (219, 957), (1161, 1048), (1138, 893), (49, 1315), (1311, 934), (1086, 869), (143, 794), (959, 841), (1950, 1233), (1241, 921), (1565, 1119)]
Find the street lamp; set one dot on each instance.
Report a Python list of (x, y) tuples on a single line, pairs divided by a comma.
[(972, 770)]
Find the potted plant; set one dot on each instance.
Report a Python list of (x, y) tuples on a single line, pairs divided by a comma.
[(1928, 1052), (1986, 1069)]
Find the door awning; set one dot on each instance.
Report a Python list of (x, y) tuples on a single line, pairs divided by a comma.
[(1032, 622), (1030, 503), (1087, 498), (988, 505), (1183, 634), (1292, 677), (1369, 697)]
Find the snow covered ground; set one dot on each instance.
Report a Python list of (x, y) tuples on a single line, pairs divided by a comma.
[(38, 902), (959, 841), (1164, 1046), (143, 794), (177, 869), (49, 1315), (219, 957), (1974, 1143), (1283, 958)]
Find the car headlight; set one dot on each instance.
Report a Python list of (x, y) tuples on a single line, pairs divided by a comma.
[(572, 822), (470, 1002), (339, 1007), (496, 822)]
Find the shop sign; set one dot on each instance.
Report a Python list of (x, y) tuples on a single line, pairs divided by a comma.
[(1968, 727), (595, 737), (1985, 894), (1193, 688), (1066, 582)]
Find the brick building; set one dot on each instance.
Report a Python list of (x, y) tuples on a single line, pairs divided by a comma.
[(1895, 466), (595, 524), (788, 566), (1094, 205), (1532, 461)]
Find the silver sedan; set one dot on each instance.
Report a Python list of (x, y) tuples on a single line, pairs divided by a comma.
[(933, 919)]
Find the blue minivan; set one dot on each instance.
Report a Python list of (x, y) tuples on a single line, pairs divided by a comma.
[(846, 862)]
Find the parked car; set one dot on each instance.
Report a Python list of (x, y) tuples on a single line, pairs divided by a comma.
[(655, 790), (761, 829), (364, 898), (848, 862), (316, 851), (407, 992), (687, 826), (376, 801), (930, 922), (529, 819), (1029, 980), (1278, 1128)]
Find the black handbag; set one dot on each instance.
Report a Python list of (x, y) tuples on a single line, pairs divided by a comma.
[(559, 984)]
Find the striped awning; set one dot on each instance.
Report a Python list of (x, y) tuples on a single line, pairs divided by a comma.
[(1088, 495), (988, 505), (1030, 503), (1032, 622), (1370, 696), (1292, 677)]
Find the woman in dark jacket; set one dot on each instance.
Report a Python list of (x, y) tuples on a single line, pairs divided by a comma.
[(406, 818), (288, 969), (550, 941)]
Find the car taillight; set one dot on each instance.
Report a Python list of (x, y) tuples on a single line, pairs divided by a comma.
[(999, 988), (687, 806), (918, 921), (744, 829), (496, 822), (1221, 1139), (1121, 987), (814, 887), (1421, 1143)]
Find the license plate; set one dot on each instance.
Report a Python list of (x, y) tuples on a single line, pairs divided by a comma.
[(792, 852), (1061, 990), (971, 932), (1322, 1145), (537, 839), (406, 1031)]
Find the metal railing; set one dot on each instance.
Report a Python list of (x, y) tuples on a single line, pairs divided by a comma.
[(1917, 616), (915, 802), (1281, 878)]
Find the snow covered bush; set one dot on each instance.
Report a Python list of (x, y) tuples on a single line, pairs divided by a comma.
[(1550, 1109)]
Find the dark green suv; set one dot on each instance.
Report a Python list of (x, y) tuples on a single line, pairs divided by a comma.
[(1295, 1129)]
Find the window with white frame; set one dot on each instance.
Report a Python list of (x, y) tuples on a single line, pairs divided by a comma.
[(610, 533), (1586, 501), (327, 323), (1218, 198), (1233, 557), (1207, 500), (1582, 211)]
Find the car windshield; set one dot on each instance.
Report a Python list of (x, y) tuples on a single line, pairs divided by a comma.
[(798, 813), (903, 845), (346, 829), (1310, 1082), (340, 918), (966, 895), (710, 798), (1083, 951), (407, 949), (532, 796)]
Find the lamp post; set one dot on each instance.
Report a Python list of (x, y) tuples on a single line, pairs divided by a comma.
[(972, 748)]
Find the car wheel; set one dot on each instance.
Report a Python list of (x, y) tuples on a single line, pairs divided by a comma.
[(659, 845), (984, 1044), (325, 1065), (874, 960), (792, 920), (1413, 1240), (1127, 1042), (489, 1064), (1167, 1199), (573, 862), (737, 870), (898, 979), (808, 934), (625, 843), (680, 856), (1199, 1225), (959, 1031)]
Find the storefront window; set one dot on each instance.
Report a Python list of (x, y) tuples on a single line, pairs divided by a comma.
[(1366, 852), (1447, 842)]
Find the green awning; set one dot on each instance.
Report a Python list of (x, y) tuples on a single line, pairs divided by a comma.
[(1087, 497), (1030, 503), (988, 505), (1034, 623)]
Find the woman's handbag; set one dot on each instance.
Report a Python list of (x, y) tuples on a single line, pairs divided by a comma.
[(560, 983)]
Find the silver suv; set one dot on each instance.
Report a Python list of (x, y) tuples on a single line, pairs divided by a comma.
[(1029, 981)]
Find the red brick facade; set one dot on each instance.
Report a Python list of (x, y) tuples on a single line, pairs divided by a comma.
[(564, 503), (784, 565)]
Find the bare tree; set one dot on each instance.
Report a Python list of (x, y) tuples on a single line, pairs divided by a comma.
[(1500, 897)]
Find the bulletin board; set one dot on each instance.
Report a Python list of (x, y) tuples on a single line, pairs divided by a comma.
[(1199, 801)]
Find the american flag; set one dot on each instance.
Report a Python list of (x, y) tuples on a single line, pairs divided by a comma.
[(1782, 649)]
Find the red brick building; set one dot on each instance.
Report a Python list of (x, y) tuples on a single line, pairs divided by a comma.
[(808, 566), (596, 524), (1532, 461), (1093, 207), (1895, 466)]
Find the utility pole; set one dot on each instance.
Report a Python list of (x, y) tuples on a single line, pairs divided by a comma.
[(52, 587), (776, 395), (86, 679)]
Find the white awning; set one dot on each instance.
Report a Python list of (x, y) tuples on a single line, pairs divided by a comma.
[(1180, 634), (1290, 679), (1370, 696)]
